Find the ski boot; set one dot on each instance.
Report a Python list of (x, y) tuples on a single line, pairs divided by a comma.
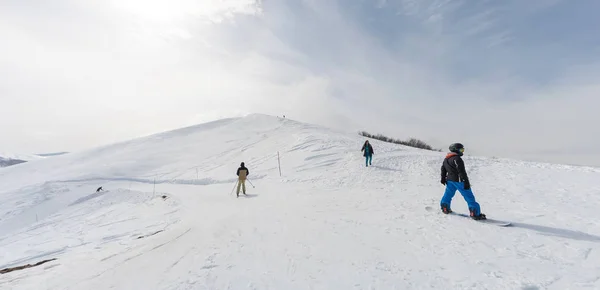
[(481, 216), (446, 208)]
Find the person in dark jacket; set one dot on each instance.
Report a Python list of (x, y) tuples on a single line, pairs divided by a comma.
[(368, 152), (242, 173), (454, 177)]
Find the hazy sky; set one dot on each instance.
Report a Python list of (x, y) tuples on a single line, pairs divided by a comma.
[(508, 78)]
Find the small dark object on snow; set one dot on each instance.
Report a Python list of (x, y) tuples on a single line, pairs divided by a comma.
[(148, 235), (164, 196), (7, 270), (99, 189)]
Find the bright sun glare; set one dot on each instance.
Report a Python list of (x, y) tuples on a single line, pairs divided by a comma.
[(177, 10)]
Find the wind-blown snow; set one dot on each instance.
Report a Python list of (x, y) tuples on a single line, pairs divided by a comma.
[(328, 223)]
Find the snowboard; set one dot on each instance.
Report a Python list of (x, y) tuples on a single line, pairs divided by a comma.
[(485, 221)]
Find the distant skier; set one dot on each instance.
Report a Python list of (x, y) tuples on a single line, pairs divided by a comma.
[(368, 152), (454, 177), (242, 173), (99, 189)]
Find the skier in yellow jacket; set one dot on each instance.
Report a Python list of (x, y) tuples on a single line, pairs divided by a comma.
[(242, 173)]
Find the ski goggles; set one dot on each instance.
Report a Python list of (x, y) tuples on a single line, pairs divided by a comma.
[(462, 150)]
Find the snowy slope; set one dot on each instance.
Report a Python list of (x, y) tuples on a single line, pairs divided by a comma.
[(328, 223)]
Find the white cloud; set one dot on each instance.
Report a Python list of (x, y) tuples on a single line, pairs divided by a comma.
[(77, 74)]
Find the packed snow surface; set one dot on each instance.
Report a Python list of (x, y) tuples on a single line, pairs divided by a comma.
[(168, 217)]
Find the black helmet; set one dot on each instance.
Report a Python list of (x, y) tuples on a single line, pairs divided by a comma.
[(242, 164), (456, 148)]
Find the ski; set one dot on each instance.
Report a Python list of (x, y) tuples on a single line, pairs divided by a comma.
[(486, 221)]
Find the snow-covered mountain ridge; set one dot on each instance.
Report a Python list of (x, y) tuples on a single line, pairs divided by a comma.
[(7, 159), (5, 162), (168, 219)]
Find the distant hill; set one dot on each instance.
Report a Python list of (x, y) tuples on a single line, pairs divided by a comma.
[(51, 154), (5, 162), (7, 159)]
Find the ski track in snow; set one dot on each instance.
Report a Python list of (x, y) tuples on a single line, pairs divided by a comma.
[(328, 223)]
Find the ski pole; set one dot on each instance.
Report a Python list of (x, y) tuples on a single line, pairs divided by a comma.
[(233, 187), (251, 183)]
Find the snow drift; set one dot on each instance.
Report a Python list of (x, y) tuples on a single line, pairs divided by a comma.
[(168, 219)]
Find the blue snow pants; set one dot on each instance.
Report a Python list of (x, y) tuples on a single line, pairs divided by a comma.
[(368, 159), (452, 187)]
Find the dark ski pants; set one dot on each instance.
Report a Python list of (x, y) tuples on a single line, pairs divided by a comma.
[(368, 159), (452, 187)]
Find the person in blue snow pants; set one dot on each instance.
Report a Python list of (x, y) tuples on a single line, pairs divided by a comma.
[(454, 177), (452, 187), (368, 153)]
